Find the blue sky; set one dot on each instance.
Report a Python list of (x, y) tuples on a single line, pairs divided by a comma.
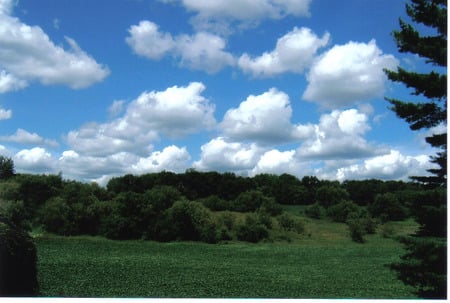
[(96, 89)]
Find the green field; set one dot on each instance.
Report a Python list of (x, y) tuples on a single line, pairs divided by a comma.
[(324, 263)]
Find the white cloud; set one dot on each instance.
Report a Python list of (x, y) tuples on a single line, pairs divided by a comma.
[(174, 112), (5, 114), (27, 53), (202, 51), (220, 155), (339, 135), (101, 169), (89, 168), (393, 165), (278, 162), (22, 136), (216, 15), (9, 82), (35, 160), (348, 73), (264, 119), (146, 40), (6, 6), (293, 53), (116, 108), (171, 158)]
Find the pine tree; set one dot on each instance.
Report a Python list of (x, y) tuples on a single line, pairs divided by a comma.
[(425, 263)]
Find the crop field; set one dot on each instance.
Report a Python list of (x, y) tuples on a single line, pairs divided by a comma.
[(323, 264)]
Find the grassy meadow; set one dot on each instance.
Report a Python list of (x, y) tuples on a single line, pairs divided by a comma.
[(321, 263)]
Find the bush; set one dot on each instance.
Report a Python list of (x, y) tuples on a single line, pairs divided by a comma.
[(340, 212), (18, 271), (288, 222), (314, 211), (357, 230), (250, 201), (16, 213), (331, 194), (388, 208), (251, 230), (54, 216), (227, 219), (214, 203), (192, 221)]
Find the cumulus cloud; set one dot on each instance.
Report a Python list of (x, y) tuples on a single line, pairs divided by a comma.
[(89, 168), (339, 135), (9, 82), (202, 51), (174, 112), (34, 160), (22, 136), (348, 73), (293, 53), (220, 155), (264, 119), (216, 15), (171, 158), (5, 114), (28, 54), (146, 40), (278, 162), (393, 165)]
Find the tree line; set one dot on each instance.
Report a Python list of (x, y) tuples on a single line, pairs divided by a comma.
[(204, 206)]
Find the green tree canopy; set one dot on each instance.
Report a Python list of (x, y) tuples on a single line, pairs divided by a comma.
[(425, 262)]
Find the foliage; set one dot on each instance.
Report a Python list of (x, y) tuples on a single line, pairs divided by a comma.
[(215, 203), (331, 194), (417, 267), (433, 85), (424, 266), (288, 222), (339, 212), (15, 212), (387, 207), (314, 211), (252, 230), (6, 168), (357, 230), (54, 216), (18, 259), (191, 221), (250, 201)]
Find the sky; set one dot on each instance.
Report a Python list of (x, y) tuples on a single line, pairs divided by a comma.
[(97, 89)]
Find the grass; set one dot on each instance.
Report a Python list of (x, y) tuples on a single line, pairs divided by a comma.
[(323, 264)]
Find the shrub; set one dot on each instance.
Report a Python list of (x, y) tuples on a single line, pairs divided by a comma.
[(251, 230), (265, 219), (250, 201), (227, 219), (314, 211), (340, 212), (288, 222), (330, 194), (54, 216), (214, 203), (192, 221), (357, 230), (18, 271), (16, 213), (388, 208)]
